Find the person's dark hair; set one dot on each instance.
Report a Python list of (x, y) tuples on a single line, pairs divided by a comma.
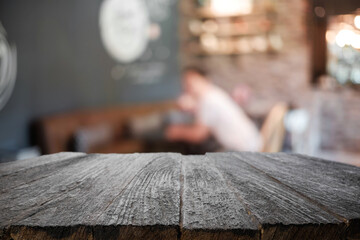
[(199, 70)]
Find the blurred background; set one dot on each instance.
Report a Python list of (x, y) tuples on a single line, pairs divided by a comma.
[(104, 75)]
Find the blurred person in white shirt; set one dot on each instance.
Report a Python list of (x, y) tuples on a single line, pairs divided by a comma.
[(216, 114)]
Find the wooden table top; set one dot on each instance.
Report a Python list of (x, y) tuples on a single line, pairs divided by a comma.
[(170, 196)]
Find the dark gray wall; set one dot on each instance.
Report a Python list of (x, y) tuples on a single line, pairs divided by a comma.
[(63, 66)]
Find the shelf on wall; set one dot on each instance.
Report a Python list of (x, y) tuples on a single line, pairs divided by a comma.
[(210, 33)]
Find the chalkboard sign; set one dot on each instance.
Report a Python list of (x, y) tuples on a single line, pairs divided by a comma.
[(137, 36), (64, 65)]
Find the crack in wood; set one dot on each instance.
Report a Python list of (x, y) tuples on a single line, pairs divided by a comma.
[(181, 220)]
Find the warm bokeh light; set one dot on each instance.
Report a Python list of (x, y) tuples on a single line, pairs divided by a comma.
[(344, 37), (345, 34), (209, 42), (357, 21), (355, 43), (343, 40), (231, 7)]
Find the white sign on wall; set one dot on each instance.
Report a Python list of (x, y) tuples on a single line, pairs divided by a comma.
[(8, 65), (124, 26)]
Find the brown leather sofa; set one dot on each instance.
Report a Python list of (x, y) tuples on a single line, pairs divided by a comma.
[(56, 133)]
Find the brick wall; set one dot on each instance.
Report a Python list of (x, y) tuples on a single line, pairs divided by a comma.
[(273, 77), (339, 120), (286, 77)]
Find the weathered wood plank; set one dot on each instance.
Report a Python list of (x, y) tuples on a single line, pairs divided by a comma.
[(273, 204), (35, 196), (152, 197), (22, 165), (88, 232), (26, 171), (332, 186), (210, 210), (316, 179), (111, 192), (170, 196)]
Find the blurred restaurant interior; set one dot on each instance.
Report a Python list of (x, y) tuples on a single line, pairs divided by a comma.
[(105, 76)]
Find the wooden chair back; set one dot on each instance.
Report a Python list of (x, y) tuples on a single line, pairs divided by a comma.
[(273, 129)]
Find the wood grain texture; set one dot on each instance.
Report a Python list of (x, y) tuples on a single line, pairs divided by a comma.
[(170, 196), (119, 191), (209, 204), (19, 173), (315, 178), (273, 204), (334, 187), (45, 160)]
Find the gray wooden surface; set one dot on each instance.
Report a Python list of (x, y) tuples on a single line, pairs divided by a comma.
[(170, 196)]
